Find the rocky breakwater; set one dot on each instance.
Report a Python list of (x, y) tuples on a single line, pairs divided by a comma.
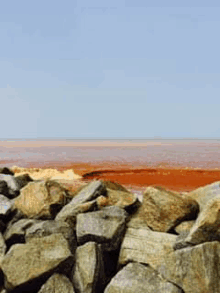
[(102, 238)]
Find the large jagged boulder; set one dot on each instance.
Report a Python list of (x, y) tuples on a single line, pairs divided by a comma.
[(194, 269), (40, 199), (57, 283), (106, 227), (145, 246), (27, 266), (162, 210), (135, 277), (205, 193), (88, 273)]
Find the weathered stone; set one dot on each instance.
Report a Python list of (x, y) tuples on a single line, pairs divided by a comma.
[(26, 266), (114, 186), (23, 180), (37, 199), (121, 199), (207, 225), (145, 246), (5, 206), (205, 193), (184, 227), (16, 232), (4, 188), (2, 247), (57, 283), (49, 227), (162, 210), (195, 269), (13, 188), (106, 226), (69, 212), (135, 277), (88, 270)]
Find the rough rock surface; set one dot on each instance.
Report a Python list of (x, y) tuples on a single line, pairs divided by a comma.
[(184, 227), (162, 210), (13, 187), (88, 274), (135, 277), (38, 198), (5, 206), (26, 265), (57, 283), (145, 246), (106, 226)]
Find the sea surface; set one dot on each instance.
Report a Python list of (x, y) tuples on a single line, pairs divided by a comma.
[(192, 153)]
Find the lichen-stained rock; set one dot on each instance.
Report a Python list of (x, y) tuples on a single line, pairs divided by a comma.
[(184, 227), (135, 277), (37, 199), (16, 232), (57, 283), (122, 199), (88, 272), (26, 266), (49, 227), (195, 269), (13, 187), (145, 246), (6, 206), (106, 226), (205, 193), (207, 225), (162, 210)]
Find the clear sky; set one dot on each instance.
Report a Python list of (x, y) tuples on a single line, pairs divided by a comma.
[(110, 69)]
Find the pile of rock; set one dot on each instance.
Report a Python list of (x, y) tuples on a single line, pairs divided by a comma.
[(102, 238)]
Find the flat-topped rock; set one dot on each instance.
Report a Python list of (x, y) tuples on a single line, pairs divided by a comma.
[(145, 246), (106, 226)]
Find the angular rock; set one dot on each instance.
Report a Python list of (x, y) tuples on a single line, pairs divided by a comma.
[(195, 269), (49, 227), (207, 225), (6, 171), (205, 193), (162, 210), (4, 188), (13, 187), (5, 206), (145, 246), (106, 227), (69, 212), (114, 186), (184, 227), (2, 247), (40, 199), (88, 270), (23, 180), (16, 232), (121, 199), (27, 266), (57, 283), (135, 277)]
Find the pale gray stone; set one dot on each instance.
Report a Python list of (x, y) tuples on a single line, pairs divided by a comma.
[(57, 283)]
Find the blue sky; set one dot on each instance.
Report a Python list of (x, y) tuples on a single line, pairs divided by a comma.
[(110, 69)]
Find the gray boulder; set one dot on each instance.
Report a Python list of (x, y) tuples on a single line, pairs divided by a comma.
[(194, 269), (6, 206), (88, 276), (57, 283), (135, 277), (145, 246), (13, 187), (27, 266), (106, 226)]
